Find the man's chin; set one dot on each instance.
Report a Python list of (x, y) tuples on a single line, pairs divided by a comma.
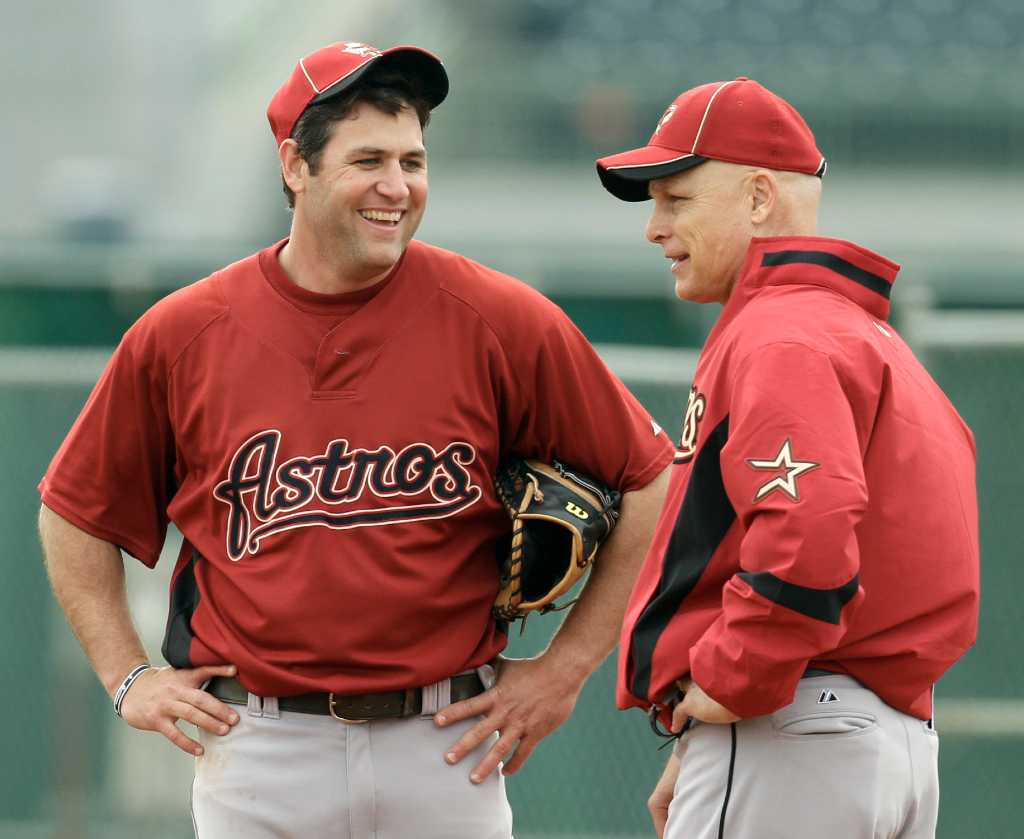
[(383, 259), (694, 292), (686, 290)]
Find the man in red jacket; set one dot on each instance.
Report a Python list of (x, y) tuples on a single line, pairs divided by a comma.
[(815, 567)]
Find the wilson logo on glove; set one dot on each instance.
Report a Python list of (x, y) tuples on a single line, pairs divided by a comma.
[(559, 519), (577, 511)]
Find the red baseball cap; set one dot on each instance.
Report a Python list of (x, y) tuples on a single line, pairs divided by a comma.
[(336, 67), (738, 121)]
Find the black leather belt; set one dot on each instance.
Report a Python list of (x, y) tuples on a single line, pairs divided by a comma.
[(358, 708)]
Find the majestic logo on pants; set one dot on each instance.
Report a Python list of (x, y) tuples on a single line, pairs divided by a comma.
[(264, 498)]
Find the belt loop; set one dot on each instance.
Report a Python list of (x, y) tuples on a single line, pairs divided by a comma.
[(444, 693), (487, 676), (436, 697), (255, 706), (429, 706), (270, 708)]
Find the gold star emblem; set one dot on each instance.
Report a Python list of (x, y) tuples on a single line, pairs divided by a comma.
[(784, 483)]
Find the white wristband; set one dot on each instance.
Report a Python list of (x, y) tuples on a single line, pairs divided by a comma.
[(129, 680)]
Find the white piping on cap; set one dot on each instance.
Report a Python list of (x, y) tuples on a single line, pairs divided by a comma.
[(642, 165), (318, 90), (302, 64), (707, 110)]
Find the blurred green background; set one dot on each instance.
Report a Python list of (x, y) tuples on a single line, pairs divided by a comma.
[(139, 160)]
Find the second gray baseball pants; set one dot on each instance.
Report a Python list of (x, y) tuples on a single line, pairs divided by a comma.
[(838, 762)]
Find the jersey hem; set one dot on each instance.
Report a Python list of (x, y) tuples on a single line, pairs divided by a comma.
[(651, 471), (66, 512)]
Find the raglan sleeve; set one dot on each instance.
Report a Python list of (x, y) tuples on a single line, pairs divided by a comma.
[(566, 404), (793, 470), (113, 475)]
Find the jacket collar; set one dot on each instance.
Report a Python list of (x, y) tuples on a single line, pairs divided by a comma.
[(854, 272)]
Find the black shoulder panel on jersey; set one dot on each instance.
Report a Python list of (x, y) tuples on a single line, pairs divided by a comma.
[(184, 599), (823, 604), (704, 518)]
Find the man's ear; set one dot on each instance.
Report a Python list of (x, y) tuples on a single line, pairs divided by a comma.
[(764, 193), (294, 168)]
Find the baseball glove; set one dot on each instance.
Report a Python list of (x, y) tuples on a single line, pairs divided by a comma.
[(559, 519)]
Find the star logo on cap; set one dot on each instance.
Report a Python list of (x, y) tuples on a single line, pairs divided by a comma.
[(364, 50), (786, 483), (665, 118)]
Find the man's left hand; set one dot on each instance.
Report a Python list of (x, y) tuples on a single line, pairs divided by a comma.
[(530, 700), (700, 706)]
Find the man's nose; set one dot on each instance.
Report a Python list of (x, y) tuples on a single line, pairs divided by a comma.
[(656, 230), (392, 183)]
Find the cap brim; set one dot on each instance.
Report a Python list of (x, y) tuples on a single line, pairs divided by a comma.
[(423, 69), (627, 175)]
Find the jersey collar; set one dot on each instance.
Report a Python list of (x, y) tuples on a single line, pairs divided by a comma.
[(854, 272)]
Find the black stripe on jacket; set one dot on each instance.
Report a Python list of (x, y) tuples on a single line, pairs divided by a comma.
[(834, 263), (823, 604), (704, 518)]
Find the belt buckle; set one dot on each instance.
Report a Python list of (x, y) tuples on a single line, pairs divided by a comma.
[(346, 720)]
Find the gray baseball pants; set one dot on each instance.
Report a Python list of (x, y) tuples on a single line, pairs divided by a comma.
[(837, 762), (289, 775)]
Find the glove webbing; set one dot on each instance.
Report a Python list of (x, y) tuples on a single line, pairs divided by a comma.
[(532, 491), (515, 571)]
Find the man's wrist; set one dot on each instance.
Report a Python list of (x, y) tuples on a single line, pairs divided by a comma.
[(112, 673), (573, 666), (122, 689)]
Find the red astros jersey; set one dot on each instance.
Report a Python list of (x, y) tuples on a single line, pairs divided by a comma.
[(329, 461), (822, 509)]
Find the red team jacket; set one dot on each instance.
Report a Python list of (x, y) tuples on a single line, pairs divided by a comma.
[(822, 510), (329, 461)]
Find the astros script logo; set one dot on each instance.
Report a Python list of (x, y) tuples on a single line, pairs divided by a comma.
[(324, 490), (688, 440)]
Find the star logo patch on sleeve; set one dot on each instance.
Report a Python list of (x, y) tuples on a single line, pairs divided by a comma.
[(785, 483)]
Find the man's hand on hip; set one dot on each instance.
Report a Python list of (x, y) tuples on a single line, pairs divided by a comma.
[(530, 700), (700, 706), (162, 696)]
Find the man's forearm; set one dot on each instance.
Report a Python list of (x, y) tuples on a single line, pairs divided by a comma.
[(87, 575), (592, 628)]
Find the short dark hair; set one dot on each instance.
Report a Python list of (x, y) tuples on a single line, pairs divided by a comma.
[(389, 93)]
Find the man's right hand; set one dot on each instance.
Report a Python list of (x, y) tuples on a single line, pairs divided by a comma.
[(162, 696), (658, 803)]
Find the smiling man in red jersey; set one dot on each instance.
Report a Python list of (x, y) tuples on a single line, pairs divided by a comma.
[(815, 567), (323, 422)]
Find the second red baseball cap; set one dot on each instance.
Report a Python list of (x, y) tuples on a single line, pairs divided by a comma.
[(336, 67), (738, 121)]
